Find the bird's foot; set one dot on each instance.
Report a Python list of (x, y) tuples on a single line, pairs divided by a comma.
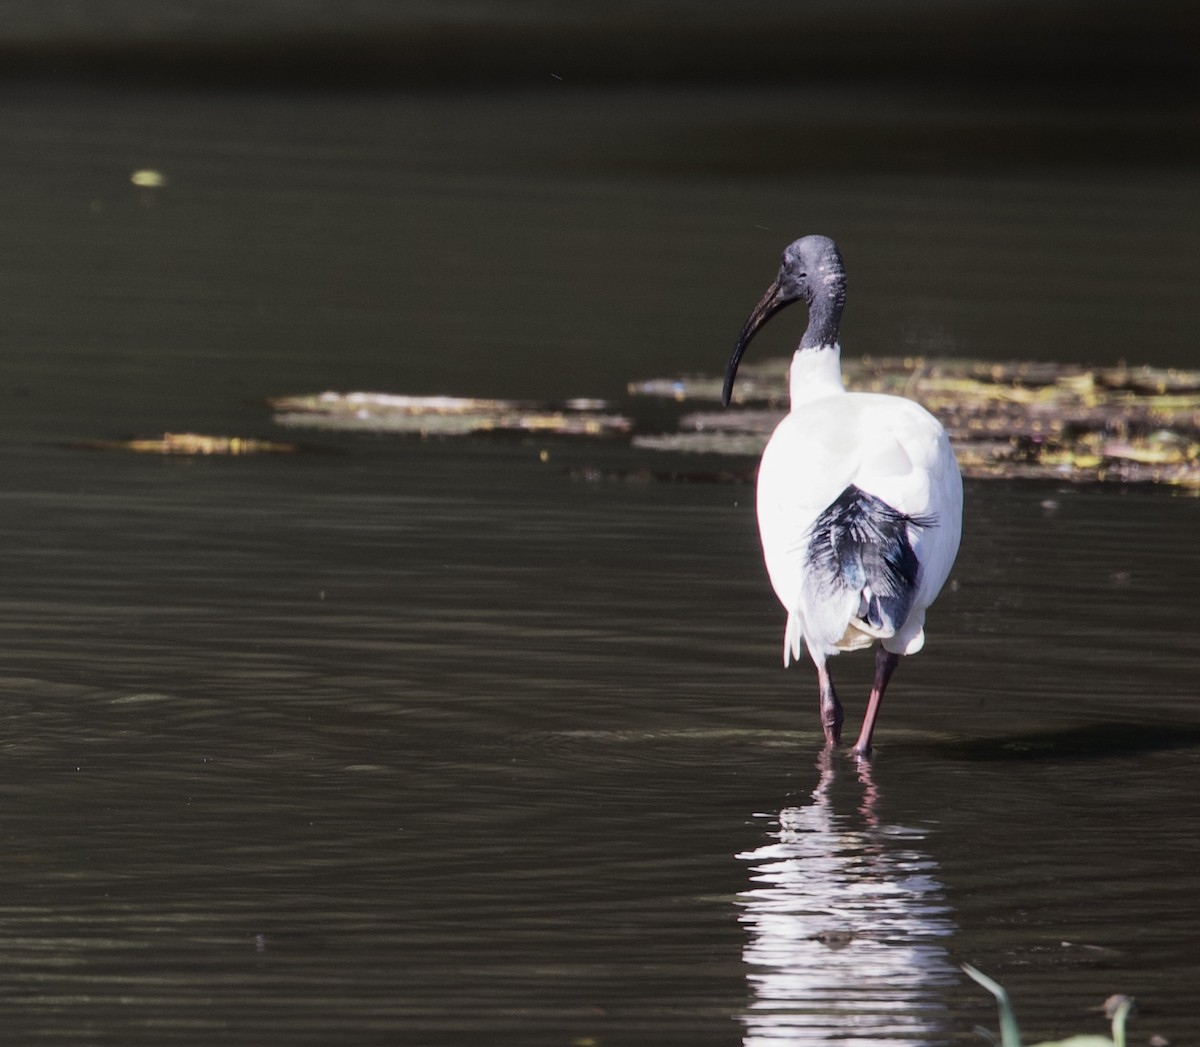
[(831, 721), (831, 708)]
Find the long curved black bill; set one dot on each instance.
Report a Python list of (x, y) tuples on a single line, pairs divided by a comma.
[(768, 306)]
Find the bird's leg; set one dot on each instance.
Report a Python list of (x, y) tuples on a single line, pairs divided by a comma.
[(831, 708), (885, 665)]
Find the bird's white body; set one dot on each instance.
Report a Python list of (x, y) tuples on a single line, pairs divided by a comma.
[(888, 447)]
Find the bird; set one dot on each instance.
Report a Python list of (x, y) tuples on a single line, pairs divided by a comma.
[(859, 497)]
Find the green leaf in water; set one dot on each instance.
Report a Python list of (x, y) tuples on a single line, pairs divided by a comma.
[(1010, 1035)]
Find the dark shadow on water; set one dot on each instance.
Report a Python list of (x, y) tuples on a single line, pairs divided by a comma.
[(1088, 742)]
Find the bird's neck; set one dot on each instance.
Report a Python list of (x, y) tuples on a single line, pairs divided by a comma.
[(825, 313), (817, 364), (815, 372)]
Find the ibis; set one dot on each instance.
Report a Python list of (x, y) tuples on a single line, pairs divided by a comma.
[(859, 497)]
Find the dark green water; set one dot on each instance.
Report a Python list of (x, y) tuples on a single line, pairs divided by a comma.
[(431, 743)]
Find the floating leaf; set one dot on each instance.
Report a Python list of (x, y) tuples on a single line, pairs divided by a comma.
[(191, 444), (440, 415), (148, 178)]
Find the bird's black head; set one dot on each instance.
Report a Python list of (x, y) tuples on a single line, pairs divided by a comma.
[(811, 269)]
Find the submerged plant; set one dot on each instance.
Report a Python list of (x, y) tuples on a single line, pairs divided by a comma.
[(1010, 1035)]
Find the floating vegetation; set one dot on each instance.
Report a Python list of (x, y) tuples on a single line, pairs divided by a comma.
[(1014, 420), (148, 178), (1118, 1009), (441, 415), (1019, 420), (191, 444)]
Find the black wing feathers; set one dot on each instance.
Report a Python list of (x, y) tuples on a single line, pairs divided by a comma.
[(860, 543)]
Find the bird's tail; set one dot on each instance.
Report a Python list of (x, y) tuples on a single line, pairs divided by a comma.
[(791, 639), (860, 545)]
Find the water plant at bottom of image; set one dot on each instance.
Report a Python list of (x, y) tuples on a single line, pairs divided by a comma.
[(1010, 1035)]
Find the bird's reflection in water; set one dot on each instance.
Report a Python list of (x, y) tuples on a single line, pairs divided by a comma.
[(847, 924)]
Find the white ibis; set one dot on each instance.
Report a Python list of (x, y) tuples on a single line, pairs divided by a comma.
[(859, 497)]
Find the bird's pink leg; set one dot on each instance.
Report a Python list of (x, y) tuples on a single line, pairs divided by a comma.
[(831, 708), (885, 665)]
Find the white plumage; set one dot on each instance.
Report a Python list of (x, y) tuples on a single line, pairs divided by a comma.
[(859, 497)]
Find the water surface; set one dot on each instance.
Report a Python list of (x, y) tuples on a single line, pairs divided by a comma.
[(434, 742)]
